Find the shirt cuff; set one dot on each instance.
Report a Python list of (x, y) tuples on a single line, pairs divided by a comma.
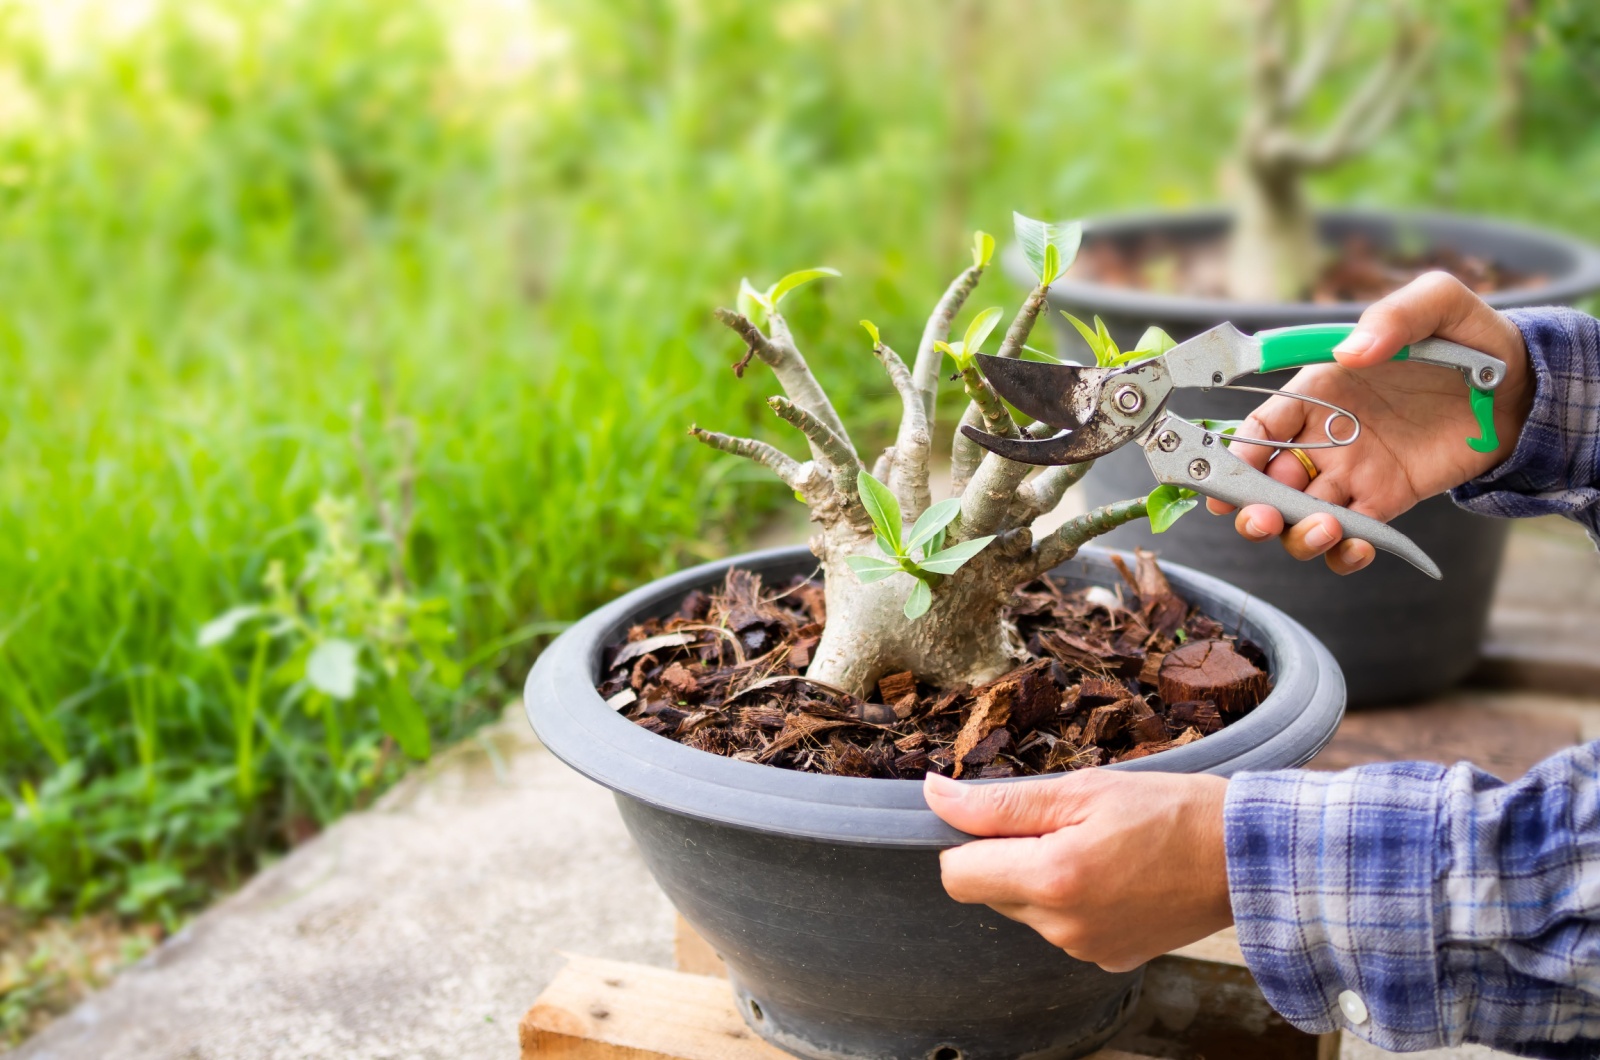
[(1332, 879)]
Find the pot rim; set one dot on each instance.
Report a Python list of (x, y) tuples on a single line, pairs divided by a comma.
[(1289, 726), (1580, 278)]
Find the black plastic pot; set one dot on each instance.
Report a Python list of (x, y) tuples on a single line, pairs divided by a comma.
[(1398, 635), (823, 893)]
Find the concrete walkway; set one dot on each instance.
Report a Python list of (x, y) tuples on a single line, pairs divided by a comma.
[(426, 926), (422, 928)]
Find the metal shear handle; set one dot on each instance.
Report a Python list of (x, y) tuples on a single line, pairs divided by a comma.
[(1185, 454)]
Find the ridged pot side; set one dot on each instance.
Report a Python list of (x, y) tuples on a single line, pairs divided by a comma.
[(1398, 635), (823, 893)]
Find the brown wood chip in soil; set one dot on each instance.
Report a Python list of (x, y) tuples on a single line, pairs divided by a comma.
[(1357, 270), (1102, 682)]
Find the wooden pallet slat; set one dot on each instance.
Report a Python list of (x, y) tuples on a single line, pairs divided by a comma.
[(1197, 1002)]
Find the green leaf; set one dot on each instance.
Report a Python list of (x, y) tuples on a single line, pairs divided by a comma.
[(225, 625), (752, 304), (982, 248), (1052, 261), (919, 601), (882, 509), (1222, 426), (1097, 347), (332, 668), (952, 559), (956, 350), (872, 329), (934, 544), (930, 522), (776, 292), (871, 568), (1031, 354), (1166, 504), (403, 719), (979, 329), (1154, 341), (884, 544), (1106, 341), (1037, 236)]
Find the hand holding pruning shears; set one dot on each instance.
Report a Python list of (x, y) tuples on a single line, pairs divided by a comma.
[(1412, 420), (1384, 434)]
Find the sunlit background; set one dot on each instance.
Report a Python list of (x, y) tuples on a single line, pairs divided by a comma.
[(385, 320)]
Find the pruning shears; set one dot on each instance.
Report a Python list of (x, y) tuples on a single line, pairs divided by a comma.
[(1102, 409)]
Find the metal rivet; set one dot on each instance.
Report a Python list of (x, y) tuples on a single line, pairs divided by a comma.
[(1129, 399), (1168, 441), (1216, 378), (1199, 468), (1207, 440), (1486, 374)]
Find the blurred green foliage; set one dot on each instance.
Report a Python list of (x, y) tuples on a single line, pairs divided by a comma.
[(226, 226)]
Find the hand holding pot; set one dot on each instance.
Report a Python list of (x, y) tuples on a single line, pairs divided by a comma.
[(1114, 868), (1414, 419)]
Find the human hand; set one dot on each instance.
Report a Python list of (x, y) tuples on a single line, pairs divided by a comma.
[(1115, 868), (1415, 419)]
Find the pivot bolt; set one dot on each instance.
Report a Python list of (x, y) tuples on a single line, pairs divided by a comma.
[(1486, 374), (1199, 469), (1129, 399), (1168, 441)]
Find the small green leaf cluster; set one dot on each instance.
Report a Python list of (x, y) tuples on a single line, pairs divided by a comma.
[(921, 553), (342, 632), (1167, 504), (1153, 343), (963, 350), (1049, 248), (755, 305)]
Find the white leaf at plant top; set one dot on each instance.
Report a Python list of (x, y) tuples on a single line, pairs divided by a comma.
[(332, 668), (225, 625)]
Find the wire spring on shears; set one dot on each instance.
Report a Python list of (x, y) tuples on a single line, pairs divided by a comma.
[(1333, 442)]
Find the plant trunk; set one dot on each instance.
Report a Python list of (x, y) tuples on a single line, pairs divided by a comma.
[(1273, 253), (961, 640)]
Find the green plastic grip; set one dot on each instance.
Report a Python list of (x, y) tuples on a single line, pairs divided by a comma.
[(1304, 344)]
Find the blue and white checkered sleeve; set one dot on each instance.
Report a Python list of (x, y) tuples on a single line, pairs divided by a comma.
[(1555, 467), (1422, 907)]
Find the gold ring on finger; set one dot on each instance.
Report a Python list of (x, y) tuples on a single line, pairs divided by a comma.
[(1305, 462)]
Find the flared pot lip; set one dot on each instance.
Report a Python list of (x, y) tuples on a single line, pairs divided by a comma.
[(1290, 726), (1573, 271)]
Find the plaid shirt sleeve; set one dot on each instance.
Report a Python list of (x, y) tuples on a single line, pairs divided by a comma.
[(1555, 468), (1422, 907), (1419, 906)]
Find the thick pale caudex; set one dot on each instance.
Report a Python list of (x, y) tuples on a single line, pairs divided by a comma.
[(1274, 251), (961, 638)]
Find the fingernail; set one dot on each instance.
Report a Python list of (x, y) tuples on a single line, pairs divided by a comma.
[(1356, 342), (1254, 529), (941, 785), (1319, 536)]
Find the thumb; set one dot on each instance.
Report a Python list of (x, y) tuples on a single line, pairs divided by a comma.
[(1024, 808), (1435, 303)]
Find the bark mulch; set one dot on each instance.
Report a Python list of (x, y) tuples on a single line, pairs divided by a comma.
[(1357, 270), (1112, 675)]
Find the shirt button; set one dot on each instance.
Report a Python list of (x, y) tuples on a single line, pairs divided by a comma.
[(1354, 1009)]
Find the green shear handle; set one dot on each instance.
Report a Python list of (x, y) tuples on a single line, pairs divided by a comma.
[(1305, 344)]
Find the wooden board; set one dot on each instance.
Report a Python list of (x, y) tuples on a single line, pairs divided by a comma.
[(613, 1010)]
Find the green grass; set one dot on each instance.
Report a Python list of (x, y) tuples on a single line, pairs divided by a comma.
[(224, 231)]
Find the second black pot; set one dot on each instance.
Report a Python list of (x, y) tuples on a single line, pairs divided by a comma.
[(1398, 635)]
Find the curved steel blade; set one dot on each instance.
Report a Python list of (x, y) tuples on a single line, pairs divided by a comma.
[(1068, 447), (1062, 395)]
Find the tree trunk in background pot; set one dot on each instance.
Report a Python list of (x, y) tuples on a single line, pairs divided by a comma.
[(1398, 635), (822, 893)]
